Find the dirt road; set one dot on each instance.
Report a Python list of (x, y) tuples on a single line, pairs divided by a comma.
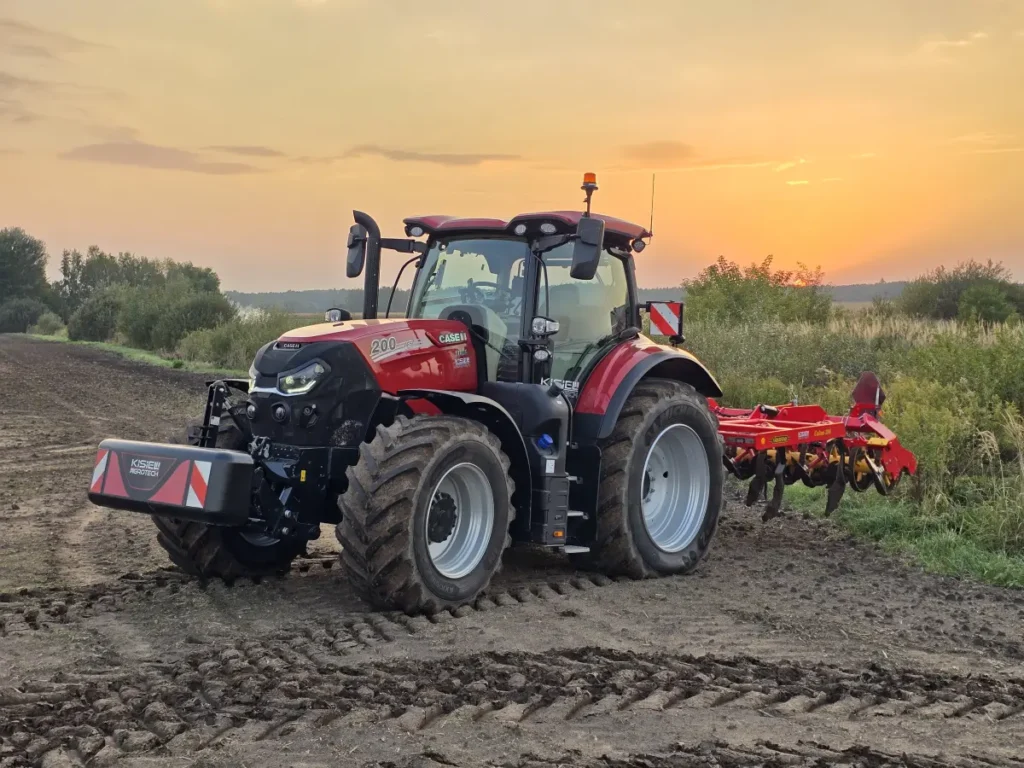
[(791, 646)]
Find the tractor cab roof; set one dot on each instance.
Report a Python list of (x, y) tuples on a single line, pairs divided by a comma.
[(617, 231)]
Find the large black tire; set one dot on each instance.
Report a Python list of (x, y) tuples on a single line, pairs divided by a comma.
[(216, 552), (384, 512), (624, 545)]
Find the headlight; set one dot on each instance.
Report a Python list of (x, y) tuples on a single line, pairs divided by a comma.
[(252, 377), (301, 381)]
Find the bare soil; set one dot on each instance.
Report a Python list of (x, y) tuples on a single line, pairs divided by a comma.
[(792, 645)]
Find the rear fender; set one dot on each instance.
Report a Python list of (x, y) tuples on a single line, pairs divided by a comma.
[(613, 380), (498, 420)]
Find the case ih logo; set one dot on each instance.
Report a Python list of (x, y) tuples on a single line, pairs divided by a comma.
[(453, 337), (144, 467)]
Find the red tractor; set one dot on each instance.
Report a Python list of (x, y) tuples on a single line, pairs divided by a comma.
[(516, 400)]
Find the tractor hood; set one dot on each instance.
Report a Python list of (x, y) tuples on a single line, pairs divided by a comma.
[(314, 381), (355, 330), (398, 353)]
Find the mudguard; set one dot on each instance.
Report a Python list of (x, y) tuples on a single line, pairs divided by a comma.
[(497, 419), (614, 378)]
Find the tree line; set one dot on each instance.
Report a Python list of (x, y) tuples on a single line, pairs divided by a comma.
[(149, 304)]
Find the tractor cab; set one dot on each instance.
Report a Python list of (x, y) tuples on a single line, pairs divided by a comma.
[(545, 295)]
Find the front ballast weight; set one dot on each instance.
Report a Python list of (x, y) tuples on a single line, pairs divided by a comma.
[(793, 443)]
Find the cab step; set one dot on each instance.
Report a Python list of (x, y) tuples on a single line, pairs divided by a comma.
[(572, 549), (576, 513)]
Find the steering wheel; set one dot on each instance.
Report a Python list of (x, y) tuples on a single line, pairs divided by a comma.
[(472, 294)]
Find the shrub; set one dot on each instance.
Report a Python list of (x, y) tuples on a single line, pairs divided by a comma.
[(985, 303), (192, 312), (17, 315), (96, 319), (48, 324), (725, 292), (158, 318), (940, 293), (234, 344)]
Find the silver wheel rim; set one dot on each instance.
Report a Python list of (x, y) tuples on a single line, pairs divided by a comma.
[(466, 488), (676, 485)]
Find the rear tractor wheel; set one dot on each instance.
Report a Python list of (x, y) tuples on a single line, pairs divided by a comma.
[(216, 552), (661, 484), (426, 515)]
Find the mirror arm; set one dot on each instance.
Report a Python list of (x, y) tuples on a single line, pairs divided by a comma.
[(402, 245)]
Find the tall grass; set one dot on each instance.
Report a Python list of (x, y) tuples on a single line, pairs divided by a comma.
[(955, 392)]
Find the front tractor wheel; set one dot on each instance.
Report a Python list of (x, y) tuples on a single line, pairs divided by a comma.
[(426, 515), (661, 484), (216, 552)]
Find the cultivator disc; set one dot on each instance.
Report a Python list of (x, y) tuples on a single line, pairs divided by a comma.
[(785, 444)]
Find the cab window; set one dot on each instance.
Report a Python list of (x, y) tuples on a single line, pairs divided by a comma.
[(589, 312)]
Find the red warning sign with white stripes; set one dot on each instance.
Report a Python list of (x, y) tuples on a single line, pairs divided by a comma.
[(665, 317), (198, 484), (149, 478)]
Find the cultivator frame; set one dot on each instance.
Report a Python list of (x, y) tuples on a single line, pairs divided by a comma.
[(790, 443)]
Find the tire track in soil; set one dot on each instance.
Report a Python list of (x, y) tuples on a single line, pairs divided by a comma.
[(33, 609), (275, 681), (720, 754)]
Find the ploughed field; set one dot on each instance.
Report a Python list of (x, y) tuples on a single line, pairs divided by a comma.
[(792, 645)]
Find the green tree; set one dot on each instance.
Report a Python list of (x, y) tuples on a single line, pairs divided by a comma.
[(726, 292), (201, 279), (82, 276), (22, 266)]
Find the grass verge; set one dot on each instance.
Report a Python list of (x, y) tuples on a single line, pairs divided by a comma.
[(141, 356), (899, 527)]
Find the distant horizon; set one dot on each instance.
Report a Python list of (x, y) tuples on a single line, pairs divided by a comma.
[(387, 286)]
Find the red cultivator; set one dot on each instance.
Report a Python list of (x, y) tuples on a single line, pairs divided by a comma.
[(790, 443)]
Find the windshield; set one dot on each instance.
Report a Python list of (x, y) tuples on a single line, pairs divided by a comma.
[(484, 276)]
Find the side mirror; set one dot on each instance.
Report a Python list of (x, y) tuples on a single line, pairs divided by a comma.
[(586, 251), (356, 250)]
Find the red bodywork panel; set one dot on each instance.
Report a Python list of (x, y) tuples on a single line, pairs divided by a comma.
[(601, 385), (566, 221), (405, 354)]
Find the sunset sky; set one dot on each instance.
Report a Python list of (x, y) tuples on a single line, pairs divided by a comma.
[(876, 138)]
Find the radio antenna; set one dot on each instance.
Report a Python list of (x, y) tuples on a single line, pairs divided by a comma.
[(650, 228)]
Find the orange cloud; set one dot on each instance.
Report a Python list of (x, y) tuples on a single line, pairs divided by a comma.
[(144, 155), (414, 156)]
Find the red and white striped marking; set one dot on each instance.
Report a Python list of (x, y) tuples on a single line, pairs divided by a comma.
[(665, 317), (197, 484), (98, 470)]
